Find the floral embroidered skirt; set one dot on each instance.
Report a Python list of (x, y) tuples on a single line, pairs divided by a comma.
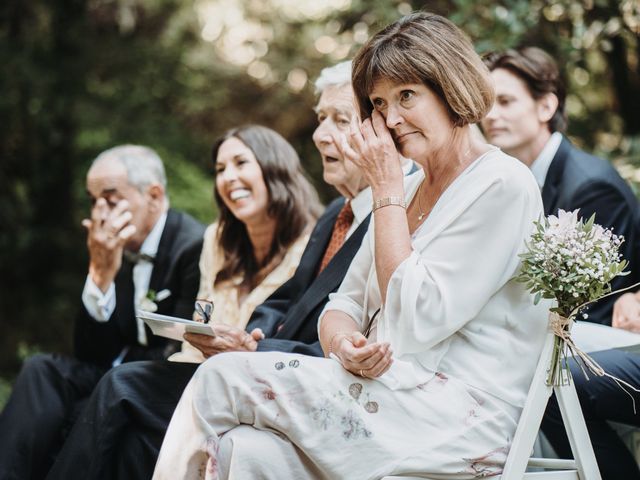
[(329, 424)]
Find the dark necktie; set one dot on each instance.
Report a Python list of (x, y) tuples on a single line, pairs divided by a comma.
[(125, 309), (340, 229), (136, 257)]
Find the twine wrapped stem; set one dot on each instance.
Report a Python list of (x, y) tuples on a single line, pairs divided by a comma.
[(559, 372)]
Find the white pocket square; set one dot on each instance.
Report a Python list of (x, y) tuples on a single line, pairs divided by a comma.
[(163, 295)]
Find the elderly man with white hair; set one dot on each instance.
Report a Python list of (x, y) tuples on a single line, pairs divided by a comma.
[(140, 251)]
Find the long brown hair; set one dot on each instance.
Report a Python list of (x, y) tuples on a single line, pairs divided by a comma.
[(293, 202)]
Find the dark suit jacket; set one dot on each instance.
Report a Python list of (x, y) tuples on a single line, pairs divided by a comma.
[(175, 268), (578, 180), (289, 317)]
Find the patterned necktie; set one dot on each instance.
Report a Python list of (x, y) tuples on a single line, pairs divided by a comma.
[(340, 229)]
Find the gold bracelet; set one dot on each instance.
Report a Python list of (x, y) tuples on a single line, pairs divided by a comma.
[(386, 201), (346, 334)]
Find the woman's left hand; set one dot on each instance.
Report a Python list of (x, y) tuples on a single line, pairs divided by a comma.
[(227, 339), (369, 360), (371, 147)]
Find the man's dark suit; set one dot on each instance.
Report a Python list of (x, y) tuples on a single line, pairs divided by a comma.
[(175, 268), (120, 433), (578, 180), (51, 389)]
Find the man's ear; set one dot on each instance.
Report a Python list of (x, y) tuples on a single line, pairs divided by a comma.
[(546, 107), (156, 195)]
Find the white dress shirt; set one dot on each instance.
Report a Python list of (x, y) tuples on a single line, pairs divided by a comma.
[(101, 305), (541, 164), (361, 206)]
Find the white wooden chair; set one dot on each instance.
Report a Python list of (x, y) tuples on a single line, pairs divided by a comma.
[(584, 467)]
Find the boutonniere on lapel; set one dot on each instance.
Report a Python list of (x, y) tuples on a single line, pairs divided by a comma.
[(150, 301)]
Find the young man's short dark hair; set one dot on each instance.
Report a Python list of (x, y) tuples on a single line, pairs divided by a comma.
[(539, 71)]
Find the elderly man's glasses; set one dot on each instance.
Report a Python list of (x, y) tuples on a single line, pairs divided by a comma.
[(204, 308)]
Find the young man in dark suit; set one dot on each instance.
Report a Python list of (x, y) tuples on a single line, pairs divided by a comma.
[(526, 122), (120, 433), (138, 248)]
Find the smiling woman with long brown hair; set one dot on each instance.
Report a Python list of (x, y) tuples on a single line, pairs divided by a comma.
[(267, 210)]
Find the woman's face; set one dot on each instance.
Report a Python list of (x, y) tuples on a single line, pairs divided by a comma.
[(416, 117), (240, 183)]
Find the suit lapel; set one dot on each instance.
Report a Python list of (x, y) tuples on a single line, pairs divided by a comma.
[(325, 283), (317, 245), (163, 260), (551, 190)]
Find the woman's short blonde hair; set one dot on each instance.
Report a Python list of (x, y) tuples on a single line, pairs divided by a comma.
[(429, 49)]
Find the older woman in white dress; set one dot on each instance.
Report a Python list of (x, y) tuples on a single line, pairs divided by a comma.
[(432, 343)]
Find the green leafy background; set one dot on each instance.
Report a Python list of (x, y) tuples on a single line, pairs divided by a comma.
[(80, 76)]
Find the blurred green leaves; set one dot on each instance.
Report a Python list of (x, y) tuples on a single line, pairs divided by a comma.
[(80, 76)]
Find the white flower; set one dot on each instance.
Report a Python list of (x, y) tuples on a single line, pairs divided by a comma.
[(148, 305), (570, 259), (564, 223)]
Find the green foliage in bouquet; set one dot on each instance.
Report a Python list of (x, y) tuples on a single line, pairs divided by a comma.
[(571, 261)]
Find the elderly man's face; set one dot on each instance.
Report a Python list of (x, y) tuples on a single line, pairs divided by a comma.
[(336, 110), (108, 180)]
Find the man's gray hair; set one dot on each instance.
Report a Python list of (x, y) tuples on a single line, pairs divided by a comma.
[(335, 76), (144, 166)]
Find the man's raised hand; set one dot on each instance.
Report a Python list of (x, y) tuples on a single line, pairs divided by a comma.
[(108, 231)]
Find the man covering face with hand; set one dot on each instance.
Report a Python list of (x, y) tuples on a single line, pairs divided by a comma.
[(141, 254)]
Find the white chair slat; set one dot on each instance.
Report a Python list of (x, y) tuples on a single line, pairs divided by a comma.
[(552, 463), (556, 475)]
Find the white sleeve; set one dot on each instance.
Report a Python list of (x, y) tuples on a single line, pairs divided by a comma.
[(99, 305), (448, 279), (350, 297)]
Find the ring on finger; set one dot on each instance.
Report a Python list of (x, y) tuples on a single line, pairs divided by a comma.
[(362, 373)]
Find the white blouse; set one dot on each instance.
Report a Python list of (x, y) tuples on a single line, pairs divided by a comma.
[(453, 305)]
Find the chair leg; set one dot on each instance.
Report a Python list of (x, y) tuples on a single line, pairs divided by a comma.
[(577, 432)]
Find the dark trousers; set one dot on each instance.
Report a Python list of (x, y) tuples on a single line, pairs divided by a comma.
[(601, 400), (46, 399), (120, 431)]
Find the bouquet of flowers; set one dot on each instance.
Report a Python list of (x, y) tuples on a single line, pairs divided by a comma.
[(573, 262)]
